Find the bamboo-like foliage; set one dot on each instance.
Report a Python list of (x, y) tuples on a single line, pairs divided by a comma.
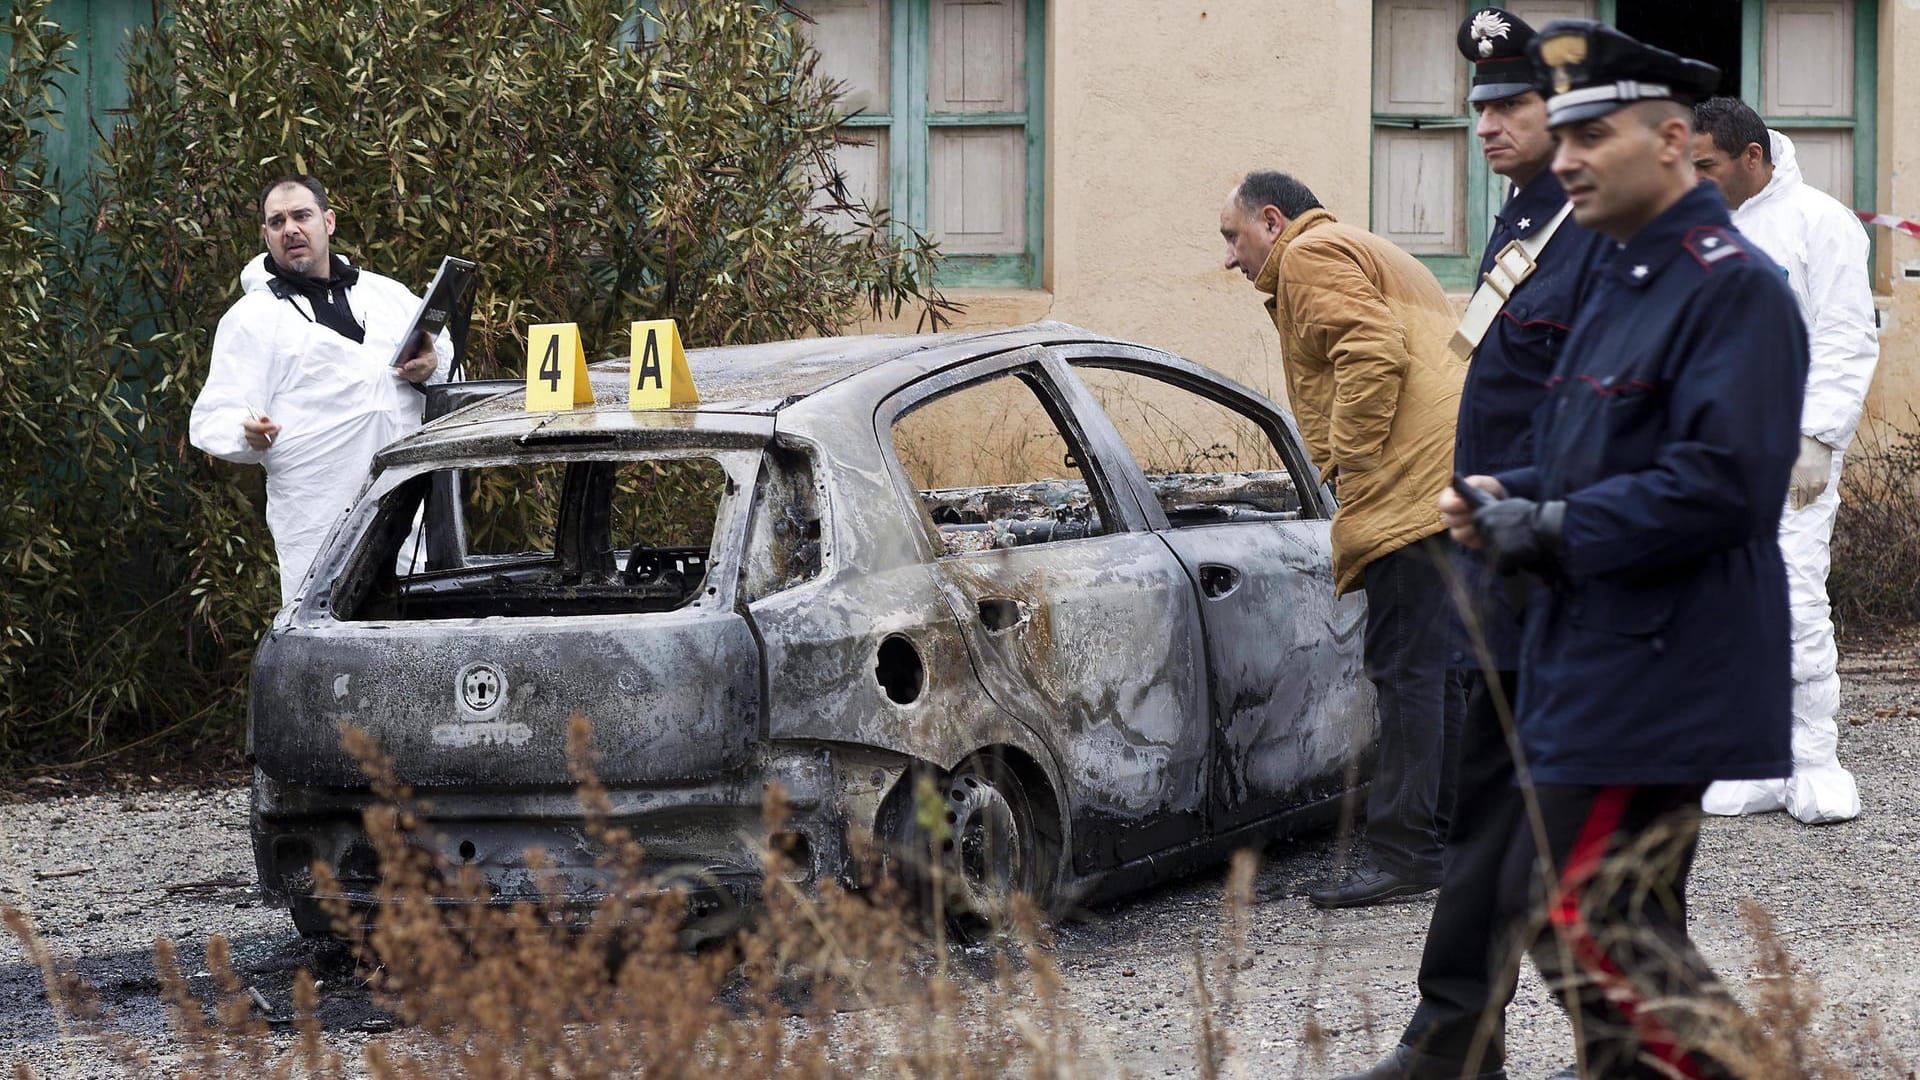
[(602, 164), (33, 57)]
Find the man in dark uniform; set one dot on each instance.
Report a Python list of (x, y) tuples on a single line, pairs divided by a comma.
[(1532, 268), (1654, 661)]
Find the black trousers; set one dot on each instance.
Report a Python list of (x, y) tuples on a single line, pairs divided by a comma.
[(1606, 926), (1406, 660), (1460, 978)]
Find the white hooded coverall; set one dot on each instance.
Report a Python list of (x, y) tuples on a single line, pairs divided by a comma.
[(337, 403), (1822, 247)]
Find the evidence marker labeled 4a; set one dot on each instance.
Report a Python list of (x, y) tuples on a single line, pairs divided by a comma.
[(658, 376), (556, 368)]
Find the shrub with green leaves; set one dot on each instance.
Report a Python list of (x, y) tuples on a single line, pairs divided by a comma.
[(602, 165), (35, 556), (69, 433)]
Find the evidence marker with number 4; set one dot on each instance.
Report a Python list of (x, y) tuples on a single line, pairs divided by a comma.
[(556, 368)]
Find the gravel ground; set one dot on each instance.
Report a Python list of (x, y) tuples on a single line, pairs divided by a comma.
[(103, 875)]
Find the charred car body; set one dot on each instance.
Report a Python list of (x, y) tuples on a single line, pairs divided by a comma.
[(1083, 584)]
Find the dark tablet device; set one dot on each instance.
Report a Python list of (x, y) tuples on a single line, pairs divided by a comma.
[(444, 296)]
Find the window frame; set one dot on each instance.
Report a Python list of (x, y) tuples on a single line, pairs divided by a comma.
[(909, 125), (1113, 493), (1483, 189), (1862, 122), (349, 554), (1316, 503)]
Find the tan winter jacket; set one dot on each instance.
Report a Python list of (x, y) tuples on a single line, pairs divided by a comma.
[(1363, 334)]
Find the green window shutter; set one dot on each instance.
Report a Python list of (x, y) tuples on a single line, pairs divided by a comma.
[(949, 138), (1432, 191), (102, 30), (1810, 68), (1424, 163)]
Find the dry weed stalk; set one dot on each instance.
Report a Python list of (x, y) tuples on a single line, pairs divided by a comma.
[(1215, 1010), (77, 1013), (1875, 581), (820, 983), (1775, 1038)]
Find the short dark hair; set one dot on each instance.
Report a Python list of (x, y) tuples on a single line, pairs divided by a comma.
[(1733, 124), (302, 179), (1270, 187)]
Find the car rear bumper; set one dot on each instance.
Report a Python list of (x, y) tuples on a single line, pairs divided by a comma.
[(703, 838)]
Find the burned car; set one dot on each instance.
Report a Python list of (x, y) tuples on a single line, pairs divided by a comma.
[(1082, 584)]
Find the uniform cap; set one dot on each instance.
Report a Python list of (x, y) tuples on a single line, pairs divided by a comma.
[(1495, 43), (1590, 69)]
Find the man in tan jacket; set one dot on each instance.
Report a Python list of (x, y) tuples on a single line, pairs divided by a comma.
[(1363, 335)]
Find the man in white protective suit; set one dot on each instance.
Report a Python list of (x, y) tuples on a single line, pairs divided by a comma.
[(1822, 248), (302, 382)]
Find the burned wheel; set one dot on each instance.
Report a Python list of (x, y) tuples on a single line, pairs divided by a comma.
[(993, 852), (966, 843), (312, 920)]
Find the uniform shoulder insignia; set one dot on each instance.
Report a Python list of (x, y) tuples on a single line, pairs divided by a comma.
[(1710, 244)]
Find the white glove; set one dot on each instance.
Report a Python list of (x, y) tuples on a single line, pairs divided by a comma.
[(1810, 472)]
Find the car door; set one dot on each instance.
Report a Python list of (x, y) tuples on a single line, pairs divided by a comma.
[(1222, 475), (1080, 622)]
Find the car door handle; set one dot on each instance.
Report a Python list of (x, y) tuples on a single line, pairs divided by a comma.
[(1217, 581)]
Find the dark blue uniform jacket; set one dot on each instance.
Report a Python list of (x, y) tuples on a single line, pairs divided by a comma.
[(1670, 425), (1507, 379)]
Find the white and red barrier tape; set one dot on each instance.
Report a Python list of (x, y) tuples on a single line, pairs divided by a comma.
[(1888, 221)]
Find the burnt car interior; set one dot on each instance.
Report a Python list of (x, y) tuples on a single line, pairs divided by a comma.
[(555, 536), (1015, 480), (1206, 461)]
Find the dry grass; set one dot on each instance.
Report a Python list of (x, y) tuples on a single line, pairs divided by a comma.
[(1875, 580), (826, 984), (818, 985)]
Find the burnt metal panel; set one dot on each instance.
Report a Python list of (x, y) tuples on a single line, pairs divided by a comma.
[(1101, 655), (1292, 710), (821, 641), (1093, 643), (474, 432), (672, 695), (762, 378), (676, 692), (1292, 707)]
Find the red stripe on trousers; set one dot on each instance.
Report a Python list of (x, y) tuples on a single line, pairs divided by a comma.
[(1609, 807)]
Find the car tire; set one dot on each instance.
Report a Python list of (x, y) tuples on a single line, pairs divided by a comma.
[(312, 920), (994, 846)]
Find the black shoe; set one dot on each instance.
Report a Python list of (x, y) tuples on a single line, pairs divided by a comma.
[(1568, 1073), (1404, 1064), (1368, 883)]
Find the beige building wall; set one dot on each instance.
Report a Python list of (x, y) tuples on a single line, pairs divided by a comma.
[(1154, 110), (1896, 386)]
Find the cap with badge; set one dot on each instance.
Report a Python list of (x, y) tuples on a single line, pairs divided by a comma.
[(1495, 42), (1590, 69)]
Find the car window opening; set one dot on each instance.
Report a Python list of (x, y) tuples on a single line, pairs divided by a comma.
[(995, 468), (538, 538), (784, 546), (1207, 462)]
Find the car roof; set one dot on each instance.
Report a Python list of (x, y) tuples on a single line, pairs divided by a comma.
[(742, 387)]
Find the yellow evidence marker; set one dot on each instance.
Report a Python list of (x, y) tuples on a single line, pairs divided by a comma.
[(658, 376), (556, 368)]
